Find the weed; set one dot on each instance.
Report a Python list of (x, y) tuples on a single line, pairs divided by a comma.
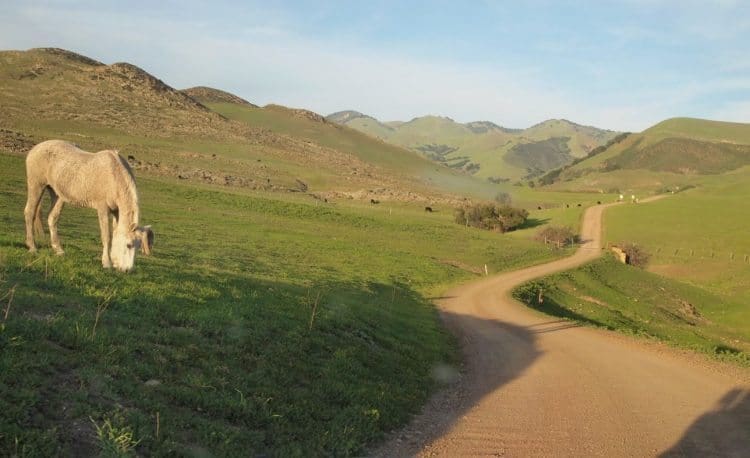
[(115, 441)]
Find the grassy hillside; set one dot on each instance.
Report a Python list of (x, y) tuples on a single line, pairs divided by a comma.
[(609, 294), (674, 152), (483, 148), (52, 93), (264, 324)]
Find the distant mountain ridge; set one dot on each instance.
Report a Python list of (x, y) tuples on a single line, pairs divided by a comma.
[(484, 148), (675, 150)]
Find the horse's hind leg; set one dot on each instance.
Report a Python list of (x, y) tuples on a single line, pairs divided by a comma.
[(54, 216), (31, 211)]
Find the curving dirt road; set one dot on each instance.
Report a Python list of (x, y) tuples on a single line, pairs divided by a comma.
[(539, 386)]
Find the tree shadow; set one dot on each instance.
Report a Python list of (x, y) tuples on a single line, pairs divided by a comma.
[(723, 431)]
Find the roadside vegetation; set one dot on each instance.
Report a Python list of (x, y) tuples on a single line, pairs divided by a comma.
[(612, 295)]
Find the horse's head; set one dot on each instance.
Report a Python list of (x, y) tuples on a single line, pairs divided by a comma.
[(126, 243)]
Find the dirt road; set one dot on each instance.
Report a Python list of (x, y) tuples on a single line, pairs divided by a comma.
[(539, 386)]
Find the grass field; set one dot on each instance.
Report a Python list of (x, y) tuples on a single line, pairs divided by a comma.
[(606, 293), (264, 323), (699, 235)]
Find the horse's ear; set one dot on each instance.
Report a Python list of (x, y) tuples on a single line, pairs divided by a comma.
[(133, 227), (147, 240)]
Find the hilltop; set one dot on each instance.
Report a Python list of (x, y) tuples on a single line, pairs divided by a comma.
[(483, 148), (672, 152), (205, 94), (54, 93)]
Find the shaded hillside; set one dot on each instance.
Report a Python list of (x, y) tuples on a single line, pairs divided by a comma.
[(540, 156), (674, 148), (683, 155), (484, 148), (53, 93)]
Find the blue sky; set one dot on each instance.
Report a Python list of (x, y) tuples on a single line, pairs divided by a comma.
[(616, 64)]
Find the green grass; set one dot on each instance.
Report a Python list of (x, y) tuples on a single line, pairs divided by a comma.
[(263, 324), (606, 293), (699, 235)]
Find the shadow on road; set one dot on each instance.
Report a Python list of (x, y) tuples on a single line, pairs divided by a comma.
[(723, 431), (490, 366)]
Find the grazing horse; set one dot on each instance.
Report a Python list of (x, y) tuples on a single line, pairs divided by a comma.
[(102, 181)]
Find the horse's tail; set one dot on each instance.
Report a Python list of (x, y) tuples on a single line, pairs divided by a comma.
[(38, 227)]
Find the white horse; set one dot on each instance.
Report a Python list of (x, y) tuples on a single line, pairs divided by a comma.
[(102, 181)]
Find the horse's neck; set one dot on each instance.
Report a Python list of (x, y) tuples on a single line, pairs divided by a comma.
[(127, 213)]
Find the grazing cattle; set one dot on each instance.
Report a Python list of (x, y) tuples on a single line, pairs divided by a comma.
[(579, 205), (567, 205), (102, 181), (539, 207), (428, 209), (598, 202), (374, 202)]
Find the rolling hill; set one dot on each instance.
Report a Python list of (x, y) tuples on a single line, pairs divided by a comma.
[(54, 93), (677, 151), (483, 148)]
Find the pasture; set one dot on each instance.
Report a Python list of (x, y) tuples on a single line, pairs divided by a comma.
[(264, 323)]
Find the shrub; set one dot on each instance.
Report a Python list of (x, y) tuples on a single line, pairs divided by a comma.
[(500, 218), (637, 255), (557, 235)]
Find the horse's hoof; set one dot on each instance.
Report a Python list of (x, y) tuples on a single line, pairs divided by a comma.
[(59, 251)]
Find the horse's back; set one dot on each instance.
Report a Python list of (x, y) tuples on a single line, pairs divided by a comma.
[(76, 175)]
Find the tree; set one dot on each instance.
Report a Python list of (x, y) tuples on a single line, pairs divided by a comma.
[(558, 235), (491, 217)]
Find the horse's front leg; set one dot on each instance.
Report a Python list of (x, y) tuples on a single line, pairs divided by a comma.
[(52, 219), (106, 236)]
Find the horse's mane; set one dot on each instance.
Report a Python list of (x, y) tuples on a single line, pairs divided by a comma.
[(127, 180)]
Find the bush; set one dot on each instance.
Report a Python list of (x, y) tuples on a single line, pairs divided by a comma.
[(637, 255), (557, 235), (489, 216)]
